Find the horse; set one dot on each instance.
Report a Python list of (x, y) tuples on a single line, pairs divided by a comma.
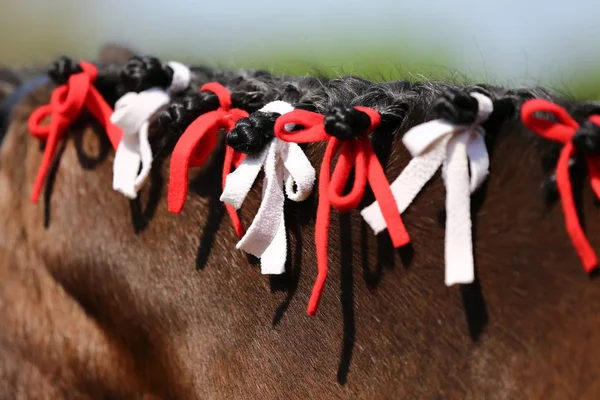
[(106, 297)]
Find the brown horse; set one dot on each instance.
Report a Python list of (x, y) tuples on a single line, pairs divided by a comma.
[(102, 297)]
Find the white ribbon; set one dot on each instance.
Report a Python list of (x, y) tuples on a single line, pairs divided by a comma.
[(459, 149), (282, 162), (132, 114)]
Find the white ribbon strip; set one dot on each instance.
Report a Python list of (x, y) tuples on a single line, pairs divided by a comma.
[(132, 114), (282, 162), (460, 150)]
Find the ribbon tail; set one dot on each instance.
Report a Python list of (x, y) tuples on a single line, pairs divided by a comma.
[(563, 182), (459, 244), (126, 166), (322, 231), (321, 241), (479, 161), (102, 112), (235, 218), (192, 149), (264, 227), (146, 157), (408, 185), (272, 260), (385, 198), (239, 182)]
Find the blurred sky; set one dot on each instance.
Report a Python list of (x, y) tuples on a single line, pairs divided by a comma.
[(508, 41)]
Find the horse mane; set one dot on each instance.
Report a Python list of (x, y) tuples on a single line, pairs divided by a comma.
[(101, 296)]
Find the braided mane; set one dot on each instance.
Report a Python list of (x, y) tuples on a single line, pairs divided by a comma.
[(117, 297)]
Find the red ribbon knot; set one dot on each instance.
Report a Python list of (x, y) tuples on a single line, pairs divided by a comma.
[(66, 104), (563, 132), (354, 154), (197, 143)]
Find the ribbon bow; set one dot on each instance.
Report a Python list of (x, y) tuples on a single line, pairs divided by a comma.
[(196, 144), (565, 131), (281, 161), (66, 104), (460, 149), (132, 114), (355, 153)]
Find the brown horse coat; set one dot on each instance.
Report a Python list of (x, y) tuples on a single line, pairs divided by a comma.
[(102, 297)]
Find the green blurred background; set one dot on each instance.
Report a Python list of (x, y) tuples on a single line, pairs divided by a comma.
[(512, 43)]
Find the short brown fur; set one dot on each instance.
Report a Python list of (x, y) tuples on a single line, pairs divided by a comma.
[(101, 297)]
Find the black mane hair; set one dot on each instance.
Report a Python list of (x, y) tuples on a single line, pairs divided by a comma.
[(401, 104)]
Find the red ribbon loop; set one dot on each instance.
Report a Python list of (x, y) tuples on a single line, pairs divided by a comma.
[(352, 154), (65, 106), (563, 132), (355, 154), (196, 145)]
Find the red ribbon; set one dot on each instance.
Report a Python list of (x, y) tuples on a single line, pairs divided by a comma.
[(355, 154), (563, 132), (196, 144), (65, 106)]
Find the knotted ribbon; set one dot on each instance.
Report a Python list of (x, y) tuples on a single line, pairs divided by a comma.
[(460, 149), (356, 154), (281, 162), (196, 144), (65, 106), (132, 114), (565, 131)]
